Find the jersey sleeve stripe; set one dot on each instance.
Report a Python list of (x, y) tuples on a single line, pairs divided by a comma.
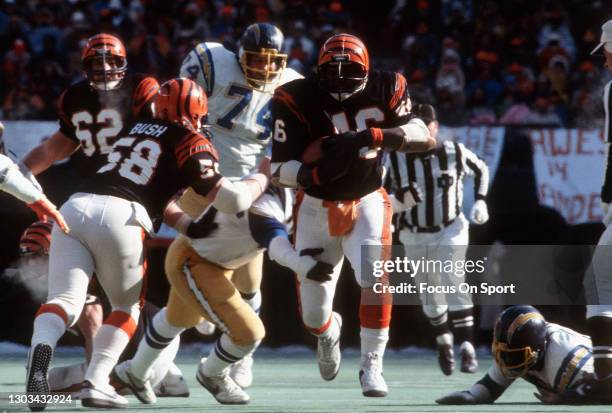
[(400, 88), (194, 144), (281, 95), (209, 75)]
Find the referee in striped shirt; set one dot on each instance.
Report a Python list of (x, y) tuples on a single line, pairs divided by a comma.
[(434, 181)]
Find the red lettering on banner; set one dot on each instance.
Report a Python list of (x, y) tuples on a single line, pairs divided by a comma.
[(595, 212), (557, 146), (557, 167), (580, 150), (573, 207), (538, 140)]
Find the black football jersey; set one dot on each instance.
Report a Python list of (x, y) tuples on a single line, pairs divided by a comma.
[(302, 113), (95, 118), (152, 161)]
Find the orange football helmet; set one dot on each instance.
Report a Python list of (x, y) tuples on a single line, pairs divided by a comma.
[(343, 65), (36, 239), (104, 61), (181, 101)]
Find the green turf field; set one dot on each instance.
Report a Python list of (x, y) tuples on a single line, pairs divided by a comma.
[(291, 383)]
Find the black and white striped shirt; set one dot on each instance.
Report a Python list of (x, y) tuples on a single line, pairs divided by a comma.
[(606, 189), (439, 175)]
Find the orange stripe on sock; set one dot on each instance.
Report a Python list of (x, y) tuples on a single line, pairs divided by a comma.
[(322, 329), (55, 309), (123, 321), (377, 312)]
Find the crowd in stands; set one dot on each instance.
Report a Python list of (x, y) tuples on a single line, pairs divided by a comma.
[(479, 61)]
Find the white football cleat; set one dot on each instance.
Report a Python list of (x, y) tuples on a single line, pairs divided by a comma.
[(206, 328), (370, 376), (172, 386), (242, 372), (37, 367), (101, 397), (222, 387), (142, 389), (328, 352)]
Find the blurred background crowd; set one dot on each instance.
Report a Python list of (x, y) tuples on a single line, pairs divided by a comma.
[(480, 61)]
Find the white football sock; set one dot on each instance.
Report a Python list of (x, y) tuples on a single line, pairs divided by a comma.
[(224, 354), (61, 378), (374, 340), (160, 367), (254, 302), (48, 328), (158, 336), (445, 339), (109, 343)]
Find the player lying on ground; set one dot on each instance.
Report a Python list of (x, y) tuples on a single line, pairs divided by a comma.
[(557, 360)]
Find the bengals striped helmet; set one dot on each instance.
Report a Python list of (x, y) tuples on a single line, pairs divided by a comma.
[(36, 239), (343, 65), (104, 61), (181, 101)]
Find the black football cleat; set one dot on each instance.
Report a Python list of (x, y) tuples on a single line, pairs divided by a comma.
[(39, 359), (446, 359)]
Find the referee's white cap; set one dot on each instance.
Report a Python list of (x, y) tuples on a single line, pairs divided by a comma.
[(606, 37)]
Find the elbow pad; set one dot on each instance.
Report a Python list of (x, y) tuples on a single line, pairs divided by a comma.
[(233, 197)]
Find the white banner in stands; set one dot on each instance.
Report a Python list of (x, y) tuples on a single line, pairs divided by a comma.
[(22, 136), (569, 166), (485, 141)]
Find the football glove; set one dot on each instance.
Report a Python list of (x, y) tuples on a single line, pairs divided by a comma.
[(460, 397), (321, 271), (479, 213), (204, 226)]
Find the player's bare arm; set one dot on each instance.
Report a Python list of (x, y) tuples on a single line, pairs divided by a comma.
[(56, 148)]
